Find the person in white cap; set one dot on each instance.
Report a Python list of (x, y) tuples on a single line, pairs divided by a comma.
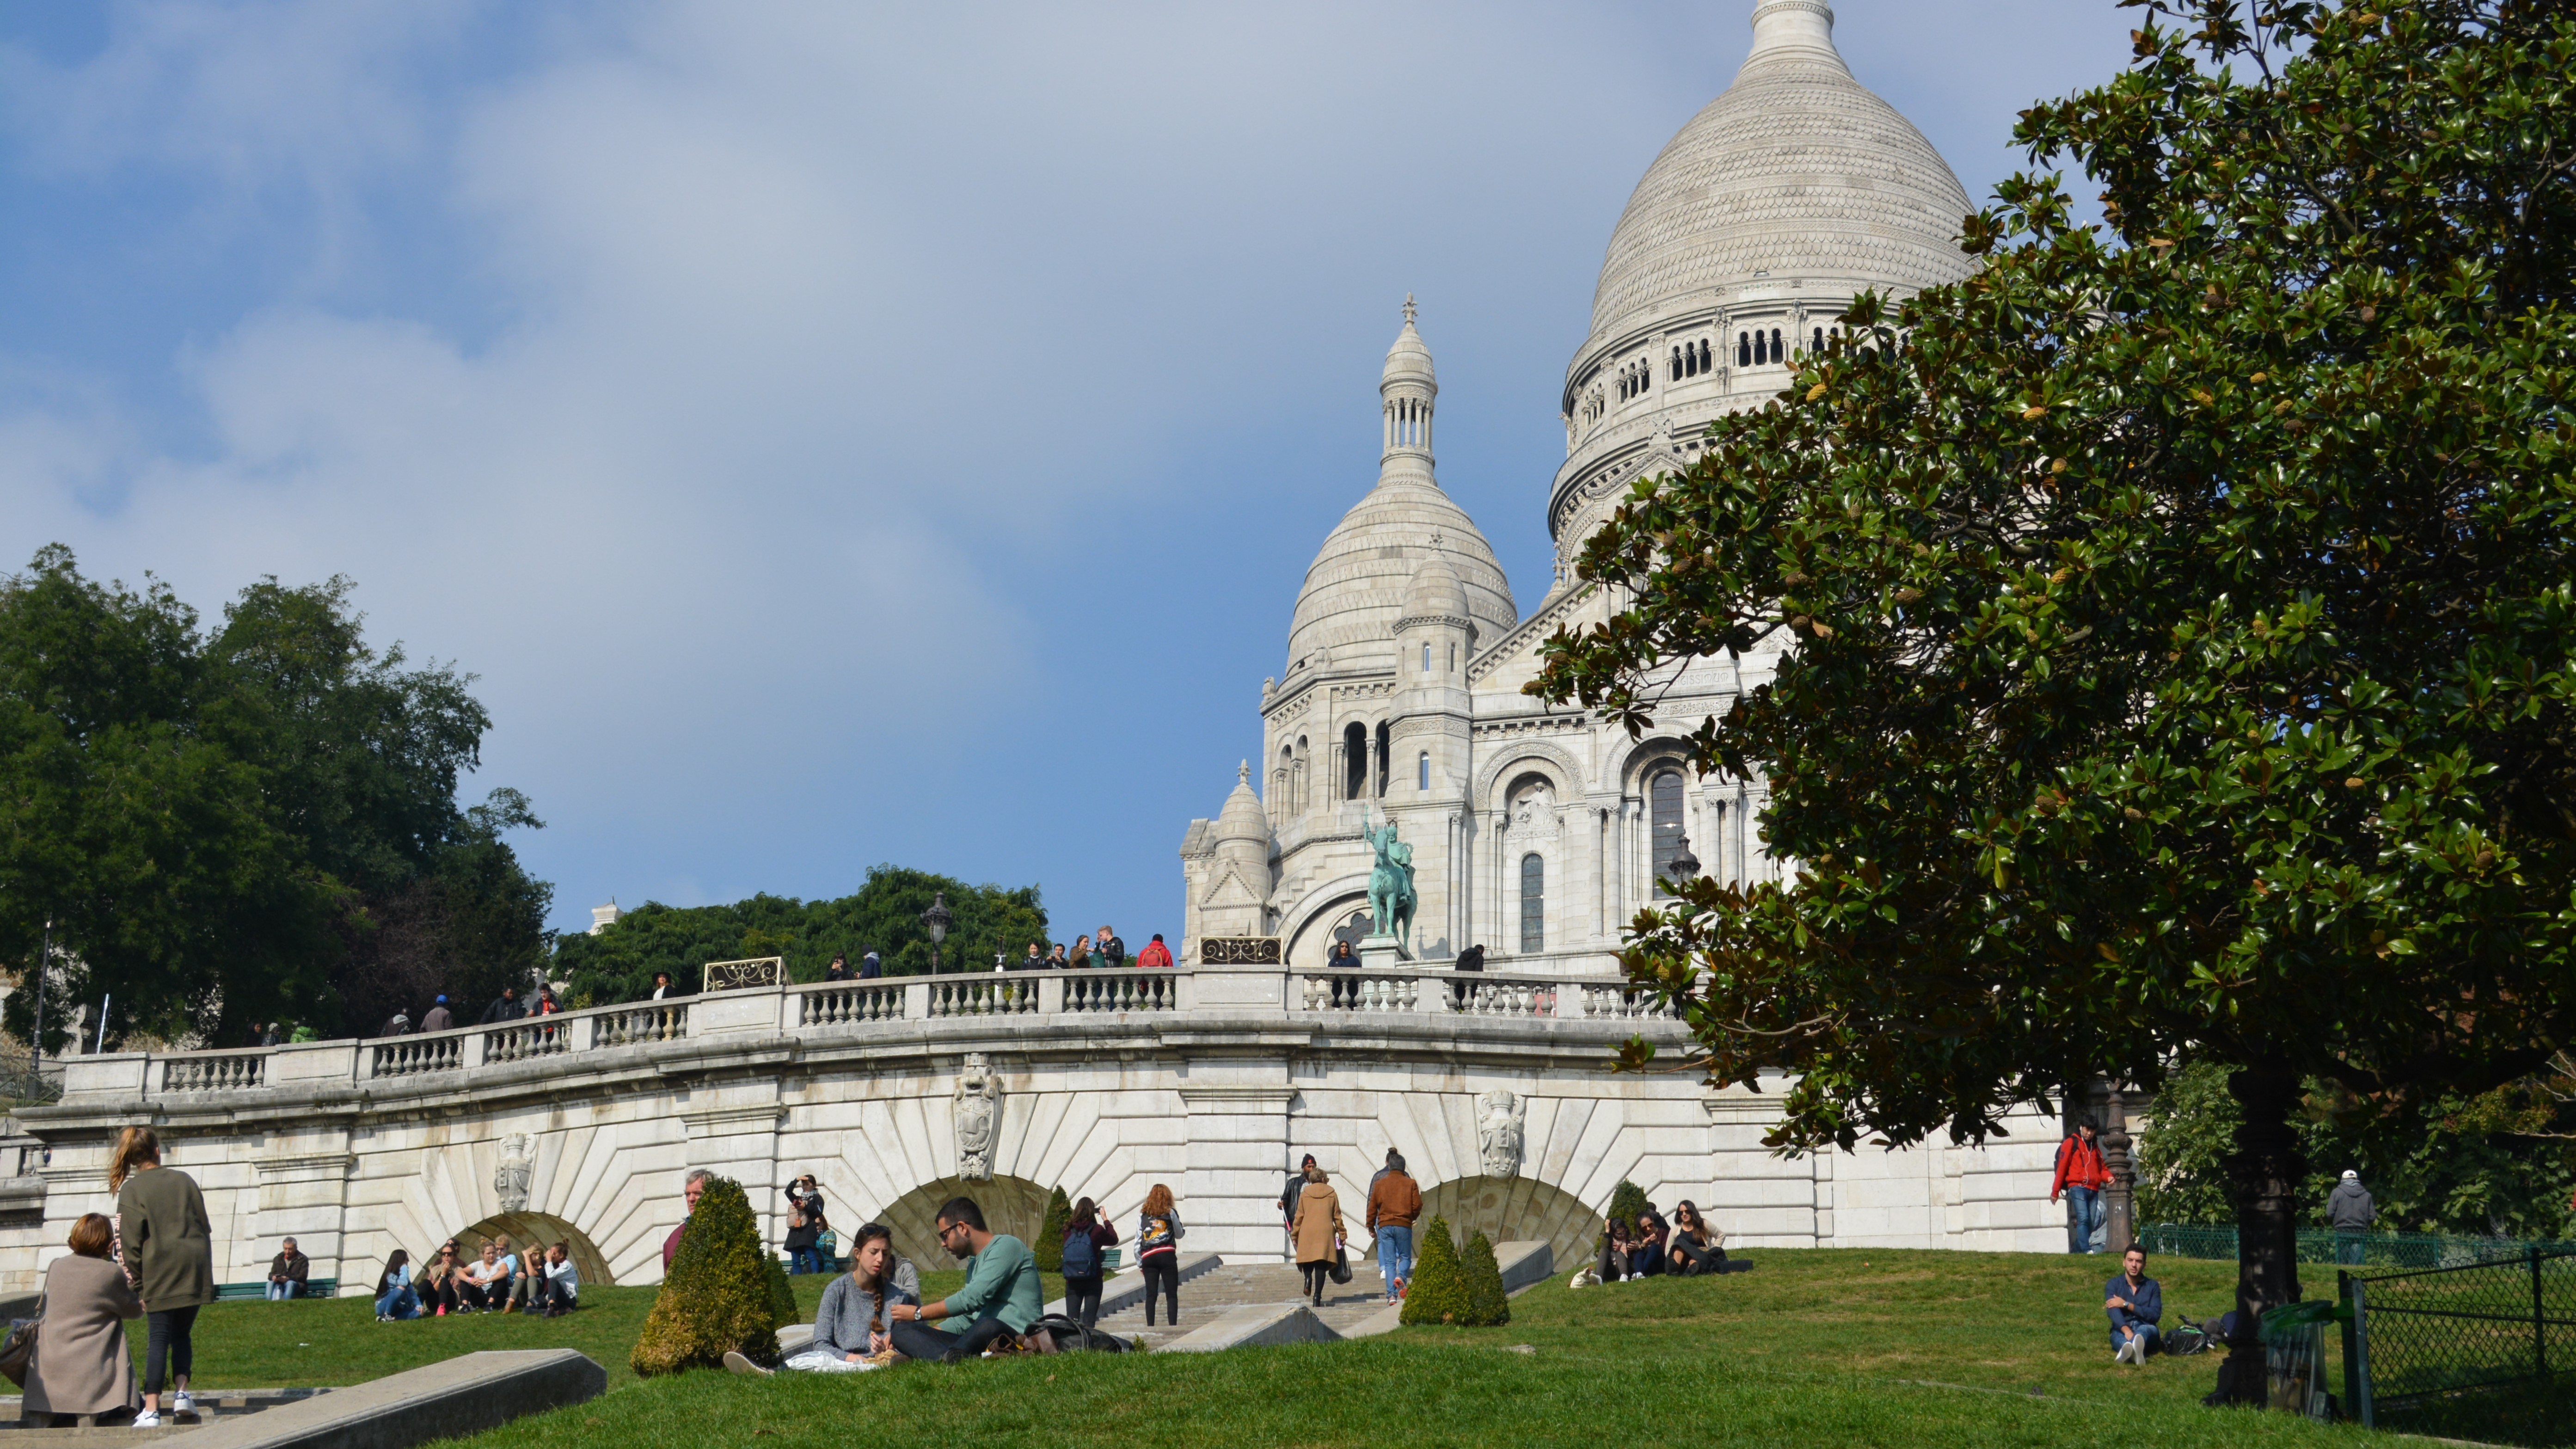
[(2349, 1212)]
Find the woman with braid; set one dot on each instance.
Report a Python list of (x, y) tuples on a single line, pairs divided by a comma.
[(850, 1325)]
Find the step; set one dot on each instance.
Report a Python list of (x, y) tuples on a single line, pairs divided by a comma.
[(1346, 1305)]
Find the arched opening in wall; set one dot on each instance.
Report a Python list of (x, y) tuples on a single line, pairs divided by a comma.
[(1422, 773), (1347, 919), (1664, 810), (1011, 1205), (542, 1229), (1514, 1210), (1354, 760), (1533, 903), (1383, 740)]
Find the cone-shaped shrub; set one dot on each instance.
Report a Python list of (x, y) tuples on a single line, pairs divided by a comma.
[(1487, 1305), (1437, 1291), (1049, 1247), (782, 1294), (722, 1292), (1627, 1201)]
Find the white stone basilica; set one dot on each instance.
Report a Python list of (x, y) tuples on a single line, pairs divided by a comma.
[(1537, 833)]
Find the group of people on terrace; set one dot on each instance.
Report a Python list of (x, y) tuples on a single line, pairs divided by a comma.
[(505, 1008), (1104, 949)]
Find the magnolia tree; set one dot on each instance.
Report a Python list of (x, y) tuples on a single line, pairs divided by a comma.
[(2183, 629)]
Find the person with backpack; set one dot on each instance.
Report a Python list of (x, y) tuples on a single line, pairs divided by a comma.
[(2081, 1175), (1158, 1252), (1087, 1237)]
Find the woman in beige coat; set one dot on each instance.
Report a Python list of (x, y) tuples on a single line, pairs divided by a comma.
[(81, 1364), (1318, 1230)]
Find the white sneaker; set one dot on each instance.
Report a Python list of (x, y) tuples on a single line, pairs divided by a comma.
[(734, 1360), (182, 1404), (148, 1419)]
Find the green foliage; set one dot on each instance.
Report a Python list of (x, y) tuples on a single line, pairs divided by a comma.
[(722, 1293), (1488, 1306), (1628, 1202), (1049, 1247), (1437, 1291), (256, 825), (2495, 1164), (618, 963)]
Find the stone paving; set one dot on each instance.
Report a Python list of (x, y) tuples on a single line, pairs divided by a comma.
[(1347, 1306)]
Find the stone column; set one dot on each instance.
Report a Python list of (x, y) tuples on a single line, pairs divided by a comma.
[(1238, 1155), (303, 1194)]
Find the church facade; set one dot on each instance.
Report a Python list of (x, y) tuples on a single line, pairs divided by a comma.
[(1538, 832)]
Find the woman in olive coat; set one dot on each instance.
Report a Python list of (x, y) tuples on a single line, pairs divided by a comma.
[(169, 1255), (81, 1364)]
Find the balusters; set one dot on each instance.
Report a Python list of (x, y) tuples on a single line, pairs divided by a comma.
[(213, 1074)]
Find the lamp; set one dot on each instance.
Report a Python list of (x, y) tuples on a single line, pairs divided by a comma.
[(1684, 864), (936, 921)]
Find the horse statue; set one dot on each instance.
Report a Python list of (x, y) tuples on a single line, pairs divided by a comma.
[(1391, 895)]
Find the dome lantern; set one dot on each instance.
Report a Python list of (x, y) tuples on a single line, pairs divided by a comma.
[(1406, 390)]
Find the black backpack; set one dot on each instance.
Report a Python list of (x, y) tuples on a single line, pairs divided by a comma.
[(1072, 1337), (1081, 1254)]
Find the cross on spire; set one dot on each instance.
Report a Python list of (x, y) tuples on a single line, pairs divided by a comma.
[(1408, 309), (1243, 773)]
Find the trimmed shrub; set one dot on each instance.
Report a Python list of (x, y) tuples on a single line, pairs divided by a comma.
[(1437, 1291), (1486, 1302), (1049, 1247), (1627, 1201), (723, 1292), (782, 1294)]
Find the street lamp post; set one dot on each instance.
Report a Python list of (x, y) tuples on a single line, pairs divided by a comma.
[(936, 921), (1684, 864)]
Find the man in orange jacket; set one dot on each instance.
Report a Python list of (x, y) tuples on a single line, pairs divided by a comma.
[(1394, 1201), (2081, 1176)]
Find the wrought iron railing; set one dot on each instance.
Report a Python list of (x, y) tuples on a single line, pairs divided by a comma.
[(2349, 1250)]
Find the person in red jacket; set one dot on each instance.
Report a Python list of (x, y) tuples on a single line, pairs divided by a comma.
[(1156, 956), (2081, 1176)]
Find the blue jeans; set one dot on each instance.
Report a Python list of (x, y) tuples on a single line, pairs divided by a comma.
[(280, 1292), (2154, 1336), (400, 1303), (2083, 1220), (1394, 1255), (805, 1260)]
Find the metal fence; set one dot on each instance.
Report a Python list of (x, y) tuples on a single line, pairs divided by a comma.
[(2348, 1250), (2483, 1351)]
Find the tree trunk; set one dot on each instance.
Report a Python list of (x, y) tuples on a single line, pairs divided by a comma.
[(2266, 1171)]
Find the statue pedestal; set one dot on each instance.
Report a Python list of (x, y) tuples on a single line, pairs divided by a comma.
[(1380, 953)]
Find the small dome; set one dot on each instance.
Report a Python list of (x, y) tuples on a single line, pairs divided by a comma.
[(1409, 360), (1435, 592), (1243, 818), (1797, 172), (1357, 587)]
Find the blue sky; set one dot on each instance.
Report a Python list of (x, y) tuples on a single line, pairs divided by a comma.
[(840, 434)]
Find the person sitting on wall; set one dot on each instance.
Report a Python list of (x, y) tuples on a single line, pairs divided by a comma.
[(2136, 1304), (289, 1273), (1001, 1295)]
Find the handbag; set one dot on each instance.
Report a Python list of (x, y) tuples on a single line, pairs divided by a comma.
[(18, 1351), (1341, 1263)]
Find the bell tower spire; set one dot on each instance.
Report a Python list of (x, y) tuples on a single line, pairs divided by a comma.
[(1405, 393)]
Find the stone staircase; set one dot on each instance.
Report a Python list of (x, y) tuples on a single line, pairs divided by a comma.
[(213, 1405), (1348, 1307)]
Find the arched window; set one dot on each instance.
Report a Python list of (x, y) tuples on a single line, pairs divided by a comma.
[(1381, 761), (1297, 776), (1776, 354), (1354, 762), (1453, 658), (1664, 812), (1426, 658), (1743, 349), (1422, 777), (1533, 903), (1761, 349), (1820, 340)]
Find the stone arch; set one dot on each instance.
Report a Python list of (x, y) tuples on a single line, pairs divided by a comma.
[(1307, 931), (1011, 1205), (1516, 1209), (1631, 760), (1520, 757), (544, 1229)]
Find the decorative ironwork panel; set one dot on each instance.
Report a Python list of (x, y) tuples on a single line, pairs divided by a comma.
[(738, 975), (1239, 951)]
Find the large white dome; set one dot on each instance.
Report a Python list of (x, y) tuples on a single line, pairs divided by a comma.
[(1797, 171)]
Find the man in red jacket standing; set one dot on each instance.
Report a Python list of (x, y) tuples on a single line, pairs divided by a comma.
[(2081, 1176)]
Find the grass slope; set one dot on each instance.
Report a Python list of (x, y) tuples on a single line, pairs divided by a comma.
[(1834, 1347)]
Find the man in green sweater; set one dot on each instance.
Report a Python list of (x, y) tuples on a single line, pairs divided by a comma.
[(1001, 1293)]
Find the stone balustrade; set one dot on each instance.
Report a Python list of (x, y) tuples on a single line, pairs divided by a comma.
[(841, 1007)]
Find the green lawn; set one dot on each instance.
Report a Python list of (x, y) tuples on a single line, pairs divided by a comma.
[(1811, 1349)]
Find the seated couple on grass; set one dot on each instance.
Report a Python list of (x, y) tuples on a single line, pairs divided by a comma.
[(873, 1315)]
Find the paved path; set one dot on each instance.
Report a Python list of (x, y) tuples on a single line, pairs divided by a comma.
[(1346, 1305)]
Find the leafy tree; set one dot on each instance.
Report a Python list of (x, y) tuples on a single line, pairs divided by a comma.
[(1049, 1247), (618, 963), (1437, 1292), (1488, 1306), (245, 827), (722, 1295), (2492, 1164), (2182, 616)]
